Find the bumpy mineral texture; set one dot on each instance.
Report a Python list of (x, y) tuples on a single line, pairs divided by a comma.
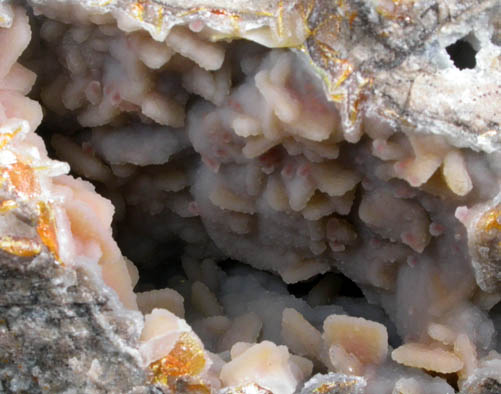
[(246, 159), (60, 332)]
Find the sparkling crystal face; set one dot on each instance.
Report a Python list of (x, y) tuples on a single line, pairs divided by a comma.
[(274, 197), (22, 178), (186, 359), (46, 229), (22, 247)]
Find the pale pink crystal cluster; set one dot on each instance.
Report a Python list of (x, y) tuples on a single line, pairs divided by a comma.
[(233, 153)]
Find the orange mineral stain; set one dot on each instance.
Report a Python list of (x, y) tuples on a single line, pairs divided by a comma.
[(216, 11), (347, 71), (22, 247), (352, 18), (137, 10), (5, 138), (46, 228), (185, 359), (333, 387), (7, 206), (197, 389), (22, 178), (491, 220)]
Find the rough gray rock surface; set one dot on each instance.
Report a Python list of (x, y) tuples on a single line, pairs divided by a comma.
[(485, 380), (60, 332), (486, 386), (393, 58)]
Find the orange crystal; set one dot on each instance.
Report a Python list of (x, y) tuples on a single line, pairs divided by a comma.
[(7, 205), (46, 228), (22, 247), (491, 220), (22, 178), (185, 359)]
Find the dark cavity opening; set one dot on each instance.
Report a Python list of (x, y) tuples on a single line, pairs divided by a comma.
[(462, 54), (337, 284)]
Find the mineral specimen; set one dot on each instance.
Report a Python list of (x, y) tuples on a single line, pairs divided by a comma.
[(307, 193)]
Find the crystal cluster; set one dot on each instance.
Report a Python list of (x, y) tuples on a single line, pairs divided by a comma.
[(239, 151)]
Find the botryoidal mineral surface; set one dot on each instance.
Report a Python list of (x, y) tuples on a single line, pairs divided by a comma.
[(235, 151)]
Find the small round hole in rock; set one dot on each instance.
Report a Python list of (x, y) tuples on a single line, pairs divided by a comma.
[(462, 54)]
